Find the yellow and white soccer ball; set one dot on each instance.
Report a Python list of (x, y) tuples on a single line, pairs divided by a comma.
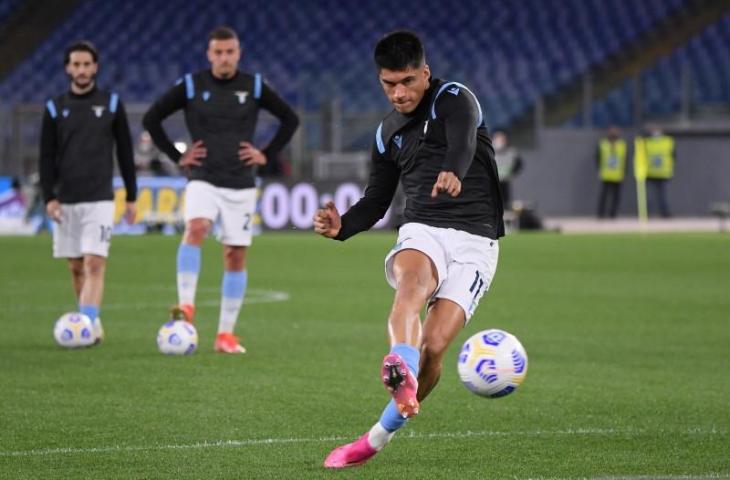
[(74, 330), (177, 337), (492, 363)]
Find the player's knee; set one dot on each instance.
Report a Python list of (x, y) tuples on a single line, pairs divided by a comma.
[(196, 231), (94, 265), (433, 349), (235, 258), (76, 268)]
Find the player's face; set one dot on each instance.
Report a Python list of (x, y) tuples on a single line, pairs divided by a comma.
[(223, 56), (81, 68), (405, 88)]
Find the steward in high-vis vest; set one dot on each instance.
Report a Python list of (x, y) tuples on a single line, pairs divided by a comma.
[(655, 156), (611, 169), (612, 160), (659, 156)]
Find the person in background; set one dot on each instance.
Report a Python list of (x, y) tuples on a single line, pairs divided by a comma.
[(659, 155), (509, 165), (221, 106), (611, 157), (81, 128)]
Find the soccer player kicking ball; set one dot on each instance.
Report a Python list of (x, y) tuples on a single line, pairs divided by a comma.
[(81, 129), (221, 111), (435, 142)]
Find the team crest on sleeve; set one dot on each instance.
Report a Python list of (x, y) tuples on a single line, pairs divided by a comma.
[(98, 110), (398, 140), (241, 96)]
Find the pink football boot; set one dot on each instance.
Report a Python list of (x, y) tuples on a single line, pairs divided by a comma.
[(350, 455), (401, 383)]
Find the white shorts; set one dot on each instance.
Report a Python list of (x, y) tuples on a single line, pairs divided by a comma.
[(85, 229), (465, 262), (234, 207)]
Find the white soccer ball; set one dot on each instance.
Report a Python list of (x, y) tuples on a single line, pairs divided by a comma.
[(177, 337), (492, 363), (74, 330)]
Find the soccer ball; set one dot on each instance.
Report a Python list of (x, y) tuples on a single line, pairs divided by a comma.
[(74, 330), (177, 337), (492, 363)]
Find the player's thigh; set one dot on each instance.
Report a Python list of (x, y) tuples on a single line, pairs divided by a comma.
[(237, 210), (423, 239), (67, 233), (96, 228), (201, 201), (470, 273)]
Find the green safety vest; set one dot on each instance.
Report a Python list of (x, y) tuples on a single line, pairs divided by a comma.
[(612, 160), (659, 157)]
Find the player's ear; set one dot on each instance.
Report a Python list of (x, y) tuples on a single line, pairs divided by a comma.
[(426, 71)]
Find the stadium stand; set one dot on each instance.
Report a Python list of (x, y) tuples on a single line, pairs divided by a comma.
[(7, 7), (705, 59), (511, 52)]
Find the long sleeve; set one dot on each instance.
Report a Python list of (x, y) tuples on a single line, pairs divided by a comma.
[(289, 121), (125, 154), (382, 184), (460, 114), (172, 101), (47, 159)]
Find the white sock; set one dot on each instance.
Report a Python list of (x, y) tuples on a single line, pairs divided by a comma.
[(229, 314), (379, 436), (187, 282)]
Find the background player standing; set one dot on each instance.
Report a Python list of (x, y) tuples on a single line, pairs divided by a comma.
[(436, 143), (221, 110), (79, 132)]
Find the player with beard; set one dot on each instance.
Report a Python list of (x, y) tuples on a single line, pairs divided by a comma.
[(80, 130)]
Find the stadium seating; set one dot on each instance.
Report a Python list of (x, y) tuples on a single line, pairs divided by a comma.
[(510, 52), (705, 58), (7, 7)]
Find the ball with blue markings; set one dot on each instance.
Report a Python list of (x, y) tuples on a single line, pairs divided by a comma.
[(492, 363), (177, 337), (73, 330)]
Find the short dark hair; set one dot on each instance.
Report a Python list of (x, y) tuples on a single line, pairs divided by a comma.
[(399, 51), (81, 46), (222, 33)]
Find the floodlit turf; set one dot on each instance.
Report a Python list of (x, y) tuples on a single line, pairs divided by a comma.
[(628, 339)]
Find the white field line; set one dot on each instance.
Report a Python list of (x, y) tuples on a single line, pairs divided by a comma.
[(411, 436), (708, 476), (253, 296)]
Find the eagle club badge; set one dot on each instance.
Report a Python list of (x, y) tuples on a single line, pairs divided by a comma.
[(241, 97), (98, 110)]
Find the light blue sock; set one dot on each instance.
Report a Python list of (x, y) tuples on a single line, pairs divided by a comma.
[(188, 267), (91, 311), (410, 354), (391, 419), (188, 258), (233, 290)]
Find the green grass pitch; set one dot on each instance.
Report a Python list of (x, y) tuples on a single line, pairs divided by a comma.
[(628, 338)]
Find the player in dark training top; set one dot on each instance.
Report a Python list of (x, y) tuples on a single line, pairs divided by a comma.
[(221, 108), (436, 144), (80, 130)]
